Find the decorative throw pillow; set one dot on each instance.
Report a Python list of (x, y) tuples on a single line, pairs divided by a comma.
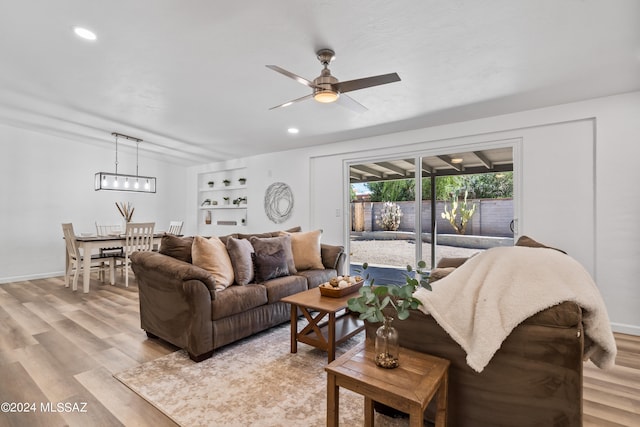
[(271, 245), (176, 247), (306, 250), (270, 265), (211, 255), (240, 251)]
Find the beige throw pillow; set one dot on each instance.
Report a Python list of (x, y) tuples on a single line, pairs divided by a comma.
[(306, 250), (211, 254)]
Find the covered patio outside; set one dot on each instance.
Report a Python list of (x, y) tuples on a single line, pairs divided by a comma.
[(388, 252)]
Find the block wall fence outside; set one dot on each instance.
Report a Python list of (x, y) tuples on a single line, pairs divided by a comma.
[(492, 217)]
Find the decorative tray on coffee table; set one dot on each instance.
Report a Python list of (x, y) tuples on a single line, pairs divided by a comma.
[(328, 290)]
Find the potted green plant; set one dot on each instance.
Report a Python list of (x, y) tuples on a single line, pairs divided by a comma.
[(210, 184), (226, 200), (226, 182), (373, 299), (242, 181)]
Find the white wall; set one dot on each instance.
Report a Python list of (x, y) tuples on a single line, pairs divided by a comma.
[(576, 184), (47, 180)]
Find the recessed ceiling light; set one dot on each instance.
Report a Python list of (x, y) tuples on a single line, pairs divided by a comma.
[(456, 160), (84, 33), (293, 130)]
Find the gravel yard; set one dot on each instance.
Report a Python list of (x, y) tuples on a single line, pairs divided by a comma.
[(399, 253)]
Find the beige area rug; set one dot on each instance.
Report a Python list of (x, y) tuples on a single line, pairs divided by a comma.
[(254, 382)]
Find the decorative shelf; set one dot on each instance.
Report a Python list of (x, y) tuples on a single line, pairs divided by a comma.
[(223, 188), (213, 207)]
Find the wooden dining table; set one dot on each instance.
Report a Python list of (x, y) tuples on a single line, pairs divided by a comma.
[(92, 244)]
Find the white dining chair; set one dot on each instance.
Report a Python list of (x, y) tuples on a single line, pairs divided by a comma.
[(75, 259), (108, 229), (138, 237), (175, 227)]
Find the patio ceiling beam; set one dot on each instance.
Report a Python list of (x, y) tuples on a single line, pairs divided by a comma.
[(485, 161), (367, 170), (426, 169), (353, 176), (474, 170), (448, 161), (397, 169)]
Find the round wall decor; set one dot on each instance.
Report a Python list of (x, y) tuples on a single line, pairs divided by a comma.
[(278, 202)]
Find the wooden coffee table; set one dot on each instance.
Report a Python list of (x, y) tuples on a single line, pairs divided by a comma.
[(320, 333), (408, 388)]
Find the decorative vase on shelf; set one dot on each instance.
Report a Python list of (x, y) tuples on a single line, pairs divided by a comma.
[(387, 345), (207, 217)]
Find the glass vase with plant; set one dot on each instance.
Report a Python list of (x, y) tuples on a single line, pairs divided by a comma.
[(371, 302)]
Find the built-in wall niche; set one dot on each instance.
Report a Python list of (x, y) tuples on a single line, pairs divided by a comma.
[(222, 199)]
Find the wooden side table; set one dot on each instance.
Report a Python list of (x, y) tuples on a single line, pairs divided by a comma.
[(408, 388), (324, 335)]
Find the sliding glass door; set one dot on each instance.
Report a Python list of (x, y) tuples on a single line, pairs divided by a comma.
[(428, 207)]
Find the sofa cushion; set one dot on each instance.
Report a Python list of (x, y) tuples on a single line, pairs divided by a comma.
[(317, 277), (267, 234), (284, 286), (306, 249), (224, 239), (176, 247), (447, 262), (529, 242), (258, 235), (237, 299), (439, 273), (271, 245), (330, 255), (211, 255), (268, 266), (240, 251)]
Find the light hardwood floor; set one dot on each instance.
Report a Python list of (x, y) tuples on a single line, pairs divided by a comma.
[(59, 346)]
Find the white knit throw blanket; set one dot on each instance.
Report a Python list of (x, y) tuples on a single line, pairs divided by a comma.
[(484, 299)]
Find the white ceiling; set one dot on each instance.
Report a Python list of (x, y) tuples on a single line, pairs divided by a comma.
[(189, 77)]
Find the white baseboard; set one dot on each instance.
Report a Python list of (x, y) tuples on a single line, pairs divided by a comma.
[(625, 329), (31, 277)]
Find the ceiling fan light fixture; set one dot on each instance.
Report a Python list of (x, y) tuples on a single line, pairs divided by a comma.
[(326, 96)]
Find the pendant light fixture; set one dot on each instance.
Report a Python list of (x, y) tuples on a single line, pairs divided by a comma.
[(122, 182)]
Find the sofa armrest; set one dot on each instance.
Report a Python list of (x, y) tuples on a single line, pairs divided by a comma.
[(175, 301), (333, 256), (171, 268)]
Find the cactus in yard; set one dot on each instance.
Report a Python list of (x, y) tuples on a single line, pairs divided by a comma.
[(456, 208), (390, 216)]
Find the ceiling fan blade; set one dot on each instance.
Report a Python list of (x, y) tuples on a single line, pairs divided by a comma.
[(350, 103), (289, 74), (286, 104), (351, 85)]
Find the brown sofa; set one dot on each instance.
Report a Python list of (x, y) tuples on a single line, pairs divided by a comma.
[(534, 379), (179, 304)]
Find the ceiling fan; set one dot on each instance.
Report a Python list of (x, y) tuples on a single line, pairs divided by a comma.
[(327, 88)]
